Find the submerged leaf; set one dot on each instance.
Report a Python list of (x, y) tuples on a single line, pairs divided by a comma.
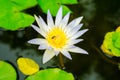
[(51, 74), (111, 43), (53, 5), (11, 17), (27, 66), (7, 72), (119, 66)]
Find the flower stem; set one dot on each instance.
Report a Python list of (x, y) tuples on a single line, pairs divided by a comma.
[(61, 61), (103, 56)]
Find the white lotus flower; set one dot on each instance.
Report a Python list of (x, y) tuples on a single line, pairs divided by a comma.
[(59, 37)]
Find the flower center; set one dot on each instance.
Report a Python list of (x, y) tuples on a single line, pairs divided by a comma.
[(56, 38)]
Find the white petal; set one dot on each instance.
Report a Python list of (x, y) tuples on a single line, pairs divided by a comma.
[(74, 41), (41, 23), (49, 54), (37, 41), (50, 19), (64, 21), (77, 50), (75, 22), (78, 34), (74, 30), (38, 21), (58, 17), (44, 25), (69, 26), (39, 30), (66, 54), (42, 47), (78, 20), (57, 52)]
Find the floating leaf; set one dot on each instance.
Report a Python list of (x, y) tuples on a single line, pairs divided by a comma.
[(53, 5), (7, 72), (51, 74), (27, 66), (23, 4), (111, 43), (12, 16), (119, 66)]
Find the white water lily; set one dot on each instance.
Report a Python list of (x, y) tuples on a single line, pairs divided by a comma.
[(59, 37)]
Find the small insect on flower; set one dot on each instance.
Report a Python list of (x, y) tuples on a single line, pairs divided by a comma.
[(59, 37)]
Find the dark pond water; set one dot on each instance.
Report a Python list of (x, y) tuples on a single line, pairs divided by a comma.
[(100, 17)]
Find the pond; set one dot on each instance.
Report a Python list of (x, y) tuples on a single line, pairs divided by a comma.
[(99, 16)]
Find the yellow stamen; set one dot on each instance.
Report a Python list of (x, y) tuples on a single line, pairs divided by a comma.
[(57, 38)]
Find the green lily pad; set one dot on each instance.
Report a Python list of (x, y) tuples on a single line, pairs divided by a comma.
[(111, 43), (12, 16), (23, 4), (54, 5), (51, 74), (116, 39), (7, 72)]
